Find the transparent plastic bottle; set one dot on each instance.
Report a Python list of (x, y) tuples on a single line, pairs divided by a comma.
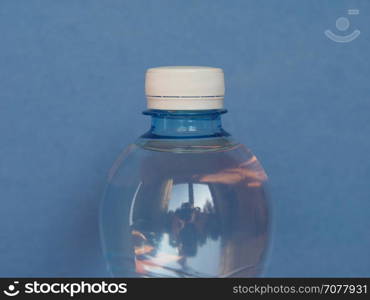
[(186, 200)]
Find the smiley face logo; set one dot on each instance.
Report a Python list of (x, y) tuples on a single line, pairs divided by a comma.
[(342, 24), (11, 291)]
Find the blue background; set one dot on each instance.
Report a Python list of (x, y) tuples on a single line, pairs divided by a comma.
[(71, 96)]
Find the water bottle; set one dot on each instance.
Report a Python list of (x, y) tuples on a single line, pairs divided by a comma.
[(186, 199)]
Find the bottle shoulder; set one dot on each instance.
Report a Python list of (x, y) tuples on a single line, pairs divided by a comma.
[(218, 161), (188, 145)]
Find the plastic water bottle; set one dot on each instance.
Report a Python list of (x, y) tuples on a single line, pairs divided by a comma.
[(185, 200)]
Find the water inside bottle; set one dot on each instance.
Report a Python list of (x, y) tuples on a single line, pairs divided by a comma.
[(189, 210)]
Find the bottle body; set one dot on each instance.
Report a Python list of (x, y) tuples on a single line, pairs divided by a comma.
[(189, 203)]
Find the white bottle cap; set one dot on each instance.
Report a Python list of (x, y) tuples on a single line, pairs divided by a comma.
[(184, 88)]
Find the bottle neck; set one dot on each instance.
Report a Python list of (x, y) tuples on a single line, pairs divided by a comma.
[(185, 124)]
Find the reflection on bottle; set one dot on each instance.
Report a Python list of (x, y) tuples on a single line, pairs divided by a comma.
[(201, 232)]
